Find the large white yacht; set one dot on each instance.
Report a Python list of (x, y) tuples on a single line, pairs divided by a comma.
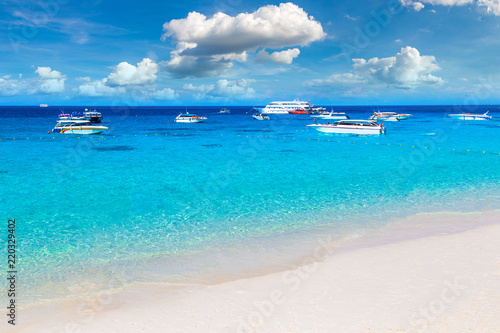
[(284, 107)]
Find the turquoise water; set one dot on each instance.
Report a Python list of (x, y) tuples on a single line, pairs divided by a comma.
[(144, 201)]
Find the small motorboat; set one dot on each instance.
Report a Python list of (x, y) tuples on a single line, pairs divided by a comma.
[(260, 116), (471, 116), (364, 127), (387, 116), (331, 115), (403, 116), (72, 126), (224, 110), (317, 110), (93, 116), (189, 118)]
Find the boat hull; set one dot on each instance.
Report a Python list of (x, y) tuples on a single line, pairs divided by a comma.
[(403, 116), (389, 119), (348, 129), (82, 130), (189, 120), (469, 117), (264, 111)]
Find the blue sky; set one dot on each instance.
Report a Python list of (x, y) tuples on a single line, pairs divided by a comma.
[(234, 52)]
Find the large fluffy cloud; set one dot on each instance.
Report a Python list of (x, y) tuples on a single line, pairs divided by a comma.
[(207, 46), (126, 74), (128, 81), (492, 6), (50, 81), (407, 69)]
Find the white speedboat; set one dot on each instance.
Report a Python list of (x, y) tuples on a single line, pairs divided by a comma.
[(44, 105), (403, 116), (93, 116), (284, 107), (331, 115), (260, 116), (470, 116), (317, 110), (387, 116), (367, 127), (224, 110), (69, 126), (189, 118)]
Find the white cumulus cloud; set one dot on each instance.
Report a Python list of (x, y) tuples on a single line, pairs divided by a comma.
[(225, 88), (126, 74), (207, 46), (166, 94), (407, 69), (50, 81), (281, 57), (492, 6), (418, 5), (12, 87), (129, 81), (99, 89)]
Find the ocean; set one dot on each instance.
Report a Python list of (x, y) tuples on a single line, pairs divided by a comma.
[(154, 201)]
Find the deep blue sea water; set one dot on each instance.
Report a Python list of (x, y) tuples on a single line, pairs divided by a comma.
[(146, 199)]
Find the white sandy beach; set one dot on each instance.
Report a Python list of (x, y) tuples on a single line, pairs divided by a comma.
[(442, 274)]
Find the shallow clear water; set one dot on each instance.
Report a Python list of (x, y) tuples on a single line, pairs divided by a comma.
[(142, 200)]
